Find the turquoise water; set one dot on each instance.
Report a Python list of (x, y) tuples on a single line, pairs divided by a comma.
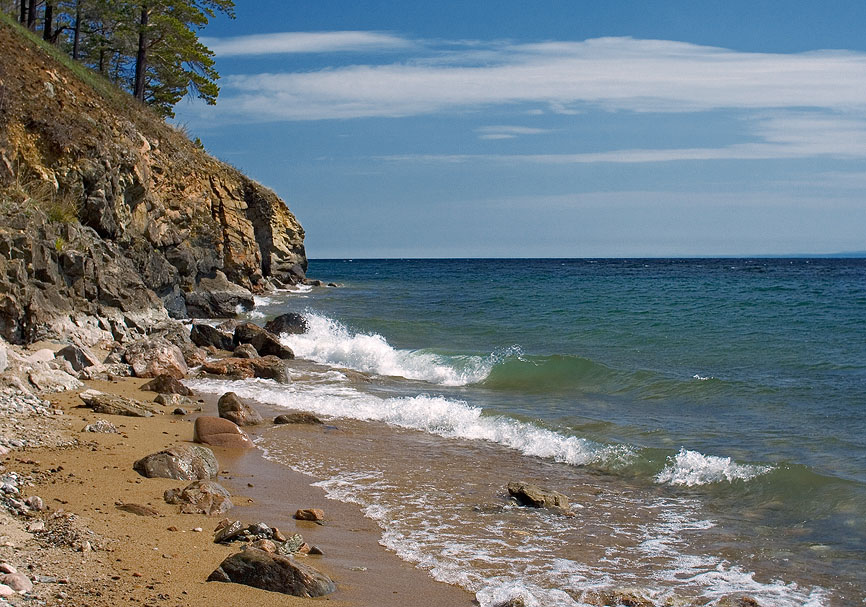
[(732, 390)]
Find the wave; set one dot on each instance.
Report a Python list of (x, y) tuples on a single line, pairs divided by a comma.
[(691, 468)]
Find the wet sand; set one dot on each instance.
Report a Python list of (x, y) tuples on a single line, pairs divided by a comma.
[(162, 560)]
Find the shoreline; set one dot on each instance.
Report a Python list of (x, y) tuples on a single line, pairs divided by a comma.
[(139, 557)]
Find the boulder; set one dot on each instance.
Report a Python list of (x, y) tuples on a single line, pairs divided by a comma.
[(53, 380), (265, 367), (205, 335), (246, 351), (290, 323), (173, 400), (316, 515), (113, 404), (79, 358), (268, 344), (220, 433), (246, 332), (228, 530), (232, 408), (181, 462), (102, 426), (217, 298), (273, 572), (297, 418), (200, 497), (18, 582), (166, 384), (528, 494), (153, 356)]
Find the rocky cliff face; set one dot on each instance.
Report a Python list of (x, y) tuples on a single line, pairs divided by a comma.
[(107, 211)]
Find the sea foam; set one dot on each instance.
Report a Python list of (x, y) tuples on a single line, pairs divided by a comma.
[(691, 468)]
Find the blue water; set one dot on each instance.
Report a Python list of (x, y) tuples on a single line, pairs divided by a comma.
[(739, 383)]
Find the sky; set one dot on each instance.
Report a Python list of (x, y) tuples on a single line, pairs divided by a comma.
[(550, 128)]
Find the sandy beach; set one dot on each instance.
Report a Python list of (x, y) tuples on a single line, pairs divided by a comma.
[(83, 550)]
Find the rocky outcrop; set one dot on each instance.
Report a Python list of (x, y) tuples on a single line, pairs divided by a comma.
[(155, 356), (109, 213), (273, 572), (290, 323)]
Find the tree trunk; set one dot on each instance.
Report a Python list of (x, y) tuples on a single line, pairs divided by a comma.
[(76, 37), (31, 16), (141, 57), (47, 32), (23, 16)]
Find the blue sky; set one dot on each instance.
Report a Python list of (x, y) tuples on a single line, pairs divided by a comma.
[(551, 128)]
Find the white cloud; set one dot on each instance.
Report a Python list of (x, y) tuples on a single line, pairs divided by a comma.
[(566, 77), (304, 42), (507, 132)]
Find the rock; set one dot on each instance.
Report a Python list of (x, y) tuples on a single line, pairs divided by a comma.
[(204, 335), (150, 357), (297, 418), (180, 411), (246, 351), (43, 355), (217, 298), (138, 509), (235, 410), (201, 497), (742, 600), (6, 591), (290, 323), (35, 503), (166, 384), (246, 332), (53, 380), (79, 357), (228, 532), (273, 572), (265, 367), (625, 597), (220, 433), (18, 582), (113, 404), (172, 400), (268, 344), (102, 426), (4, 359), (528, 494), (7, 568), (181, 462), (267, 545), (310, 514)]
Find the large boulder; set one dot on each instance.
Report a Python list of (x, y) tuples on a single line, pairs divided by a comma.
[(114, 404), (232, 408), (265, 367), (166, 384), (287, 323), (246, 332), (245, 351), (53, 380), (205, 335), (218, 298), (528, 494), (268, 344), (260, 569), (153, 356), (200, 497), (300, 417), (80, 358), (181, 462), (220, 433)]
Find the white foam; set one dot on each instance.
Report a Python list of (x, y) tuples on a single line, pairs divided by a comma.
[(434, 414), (329, 342), (691, 468)]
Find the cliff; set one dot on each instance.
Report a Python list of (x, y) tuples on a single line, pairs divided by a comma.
[(110, 219)]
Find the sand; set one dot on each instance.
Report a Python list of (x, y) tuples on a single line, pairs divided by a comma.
[(162, 560)]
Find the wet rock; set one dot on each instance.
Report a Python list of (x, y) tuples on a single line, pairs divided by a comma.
[(528, 494), (290, 323), (232, 408), (265, 367), (113, 404), (220, 433), (166, 384), (180, 411), (80, 358), (316, 515), (154, 356), (246, 351), (205, 335), (18, 582), (517, 601), (53, 380), (738, 601), (181, 462), (297, 418), (138, 509), (201, 497), (268, 344), (273, 572), (246, 332)]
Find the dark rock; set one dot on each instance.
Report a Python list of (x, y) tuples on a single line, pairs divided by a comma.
[(200, 497), (297, 418), (79, 358), (246, 351), (205, 335), (138, 509), (180, 411), (113, 404), (268, 344), (226, 533), (150, 357), (217, 298), (220, 433), (232, 408), (290, 323), (245, 333), (181, 462), (528, 494), (273, 572), (166, 384)]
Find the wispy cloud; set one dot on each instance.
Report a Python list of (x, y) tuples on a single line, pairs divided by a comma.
[(305, 42), (608, 73), (507, 132)]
